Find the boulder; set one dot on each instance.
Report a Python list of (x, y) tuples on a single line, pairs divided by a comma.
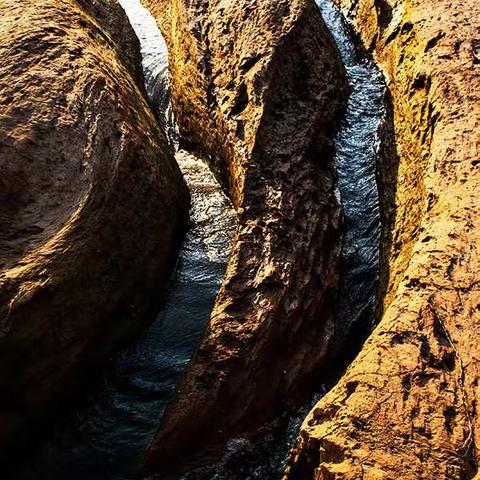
[(92, 204)]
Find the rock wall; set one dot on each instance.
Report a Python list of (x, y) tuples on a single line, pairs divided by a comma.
[(92, 203), (407, 407), (257, 87)]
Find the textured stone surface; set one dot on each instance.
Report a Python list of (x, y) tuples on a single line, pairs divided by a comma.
[(407, 407), (92, 203), (257, 86)]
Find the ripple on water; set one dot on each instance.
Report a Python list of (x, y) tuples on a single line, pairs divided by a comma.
[(356, 145)]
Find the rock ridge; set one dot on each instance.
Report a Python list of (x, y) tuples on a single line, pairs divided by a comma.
[(256, 88)]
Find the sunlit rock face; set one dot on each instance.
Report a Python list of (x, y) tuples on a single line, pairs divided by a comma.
[(256, 90), (407, 407), (92, 203)]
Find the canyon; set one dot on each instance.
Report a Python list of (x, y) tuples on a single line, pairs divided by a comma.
[(407, 406), (87, 178), (286, 107)]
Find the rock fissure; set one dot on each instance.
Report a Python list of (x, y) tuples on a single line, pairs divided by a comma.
[(420, 419)]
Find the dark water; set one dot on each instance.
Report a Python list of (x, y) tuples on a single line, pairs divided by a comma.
[(107, 441), (356, 144)]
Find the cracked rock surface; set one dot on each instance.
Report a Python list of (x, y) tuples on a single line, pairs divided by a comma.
[(408, 405), (91, 202), (257, 86)]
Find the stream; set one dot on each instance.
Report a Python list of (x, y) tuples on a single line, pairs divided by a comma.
[(107, 441), (356, 149)]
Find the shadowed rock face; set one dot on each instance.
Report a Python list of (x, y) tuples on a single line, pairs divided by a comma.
[(92, 203), (407, 407), (256, 90)]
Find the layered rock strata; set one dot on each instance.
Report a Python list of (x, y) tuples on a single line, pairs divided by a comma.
[(92, 203), (256, 89), (408, 406)]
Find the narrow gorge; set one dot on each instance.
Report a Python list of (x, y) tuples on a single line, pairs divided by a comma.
[(317, 318), (110, 440), (407, 406)]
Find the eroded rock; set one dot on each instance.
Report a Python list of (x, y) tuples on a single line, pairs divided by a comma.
[(92, 203), (407, 407), (256, 88)]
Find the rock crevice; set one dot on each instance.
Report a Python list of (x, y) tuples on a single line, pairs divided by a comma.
[(406, 407)]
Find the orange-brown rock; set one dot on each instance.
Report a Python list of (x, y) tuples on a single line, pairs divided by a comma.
[(92, 203), (408, 406), (256, 88)]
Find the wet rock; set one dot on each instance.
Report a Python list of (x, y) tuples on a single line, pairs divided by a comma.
[(92, 203), (407, 407), (256, 87)]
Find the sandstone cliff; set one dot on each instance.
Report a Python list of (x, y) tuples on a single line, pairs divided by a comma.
[(92, 203), (257, 86), (407, 407)]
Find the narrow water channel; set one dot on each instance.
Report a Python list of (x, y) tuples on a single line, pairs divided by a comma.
[(356, 149), (357, 144), (107, 441)]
